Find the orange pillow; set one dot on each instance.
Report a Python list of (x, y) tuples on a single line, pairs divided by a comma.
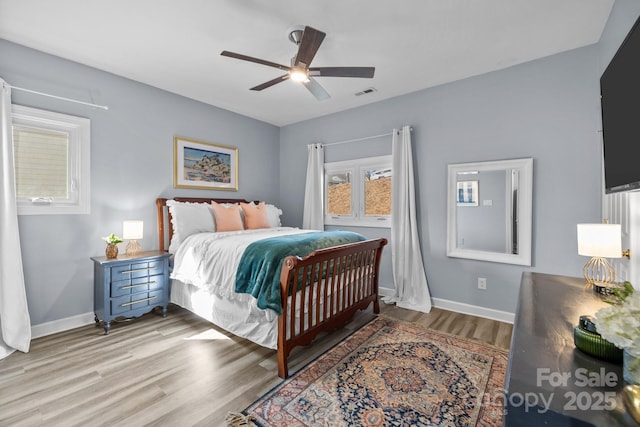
[(255, 216), (227, 217)]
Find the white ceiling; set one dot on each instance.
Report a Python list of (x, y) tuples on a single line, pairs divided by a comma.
[(414, 44)]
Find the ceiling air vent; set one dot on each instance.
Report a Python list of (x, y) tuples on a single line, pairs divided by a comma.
[(366, 91)]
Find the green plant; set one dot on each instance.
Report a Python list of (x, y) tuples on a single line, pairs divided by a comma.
[(620, 294), (619, 323), (112, 239)]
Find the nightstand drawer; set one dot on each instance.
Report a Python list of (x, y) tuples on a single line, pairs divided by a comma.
[(129, 271), (126, 303), (139, 284), (156, 267)]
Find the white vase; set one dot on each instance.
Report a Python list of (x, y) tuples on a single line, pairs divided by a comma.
[(630, 368)]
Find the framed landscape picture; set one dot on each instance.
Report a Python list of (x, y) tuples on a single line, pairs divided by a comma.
[(198, 164)]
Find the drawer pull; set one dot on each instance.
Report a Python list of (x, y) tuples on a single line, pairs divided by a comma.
[(136, 286), (134, 270), (136, 302)]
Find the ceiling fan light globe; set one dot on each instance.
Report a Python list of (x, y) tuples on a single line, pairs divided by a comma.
[(298, 75)]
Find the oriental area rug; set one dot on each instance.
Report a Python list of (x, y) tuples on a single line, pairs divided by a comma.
[(391, 373)]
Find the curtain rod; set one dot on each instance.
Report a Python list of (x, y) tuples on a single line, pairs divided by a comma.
[(361, 139), (104, 107)]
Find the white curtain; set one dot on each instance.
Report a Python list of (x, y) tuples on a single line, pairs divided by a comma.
[(15, 324), (410, 280), (313, 215)]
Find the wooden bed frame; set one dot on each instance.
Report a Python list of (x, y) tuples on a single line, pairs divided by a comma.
[(320, 292)]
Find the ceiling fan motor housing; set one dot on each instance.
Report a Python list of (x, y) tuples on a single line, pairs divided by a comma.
[(295, 34)]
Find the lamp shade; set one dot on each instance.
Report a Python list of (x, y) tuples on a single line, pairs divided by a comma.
[(132, 230), (600, 240)]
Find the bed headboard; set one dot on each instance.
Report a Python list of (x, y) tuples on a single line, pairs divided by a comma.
[(165, 230)]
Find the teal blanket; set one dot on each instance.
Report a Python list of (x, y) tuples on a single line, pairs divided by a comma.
[(261, 263)]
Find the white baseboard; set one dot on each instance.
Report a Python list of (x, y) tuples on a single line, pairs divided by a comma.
[(385, 292), (459, 307), (61, 325), (474, 310)]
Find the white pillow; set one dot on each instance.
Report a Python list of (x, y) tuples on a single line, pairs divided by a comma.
[(187, 219), (273, 216)]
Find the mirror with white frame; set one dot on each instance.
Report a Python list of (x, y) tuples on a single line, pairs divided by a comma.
[(489, 209)]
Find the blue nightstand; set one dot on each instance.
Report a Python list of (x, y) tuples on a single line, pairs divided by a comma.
[(130, 286)]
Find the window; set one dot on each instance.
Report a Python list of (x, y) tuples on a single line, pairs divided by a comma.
[(358, 192), (52, 162)]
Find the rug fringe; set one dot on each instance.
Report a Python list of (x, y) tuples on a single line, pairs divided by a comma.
[(235, 419)]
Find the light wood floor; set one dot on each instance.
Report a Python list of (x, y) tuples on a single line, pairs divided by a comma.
[(173, 371)]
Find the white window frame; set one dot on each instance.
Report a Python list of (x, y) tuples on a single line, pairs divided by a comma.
[(78, 130), (357, 167)]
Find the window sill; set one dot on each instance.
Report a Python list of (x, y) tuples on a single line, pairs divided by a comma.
[(373, 223)]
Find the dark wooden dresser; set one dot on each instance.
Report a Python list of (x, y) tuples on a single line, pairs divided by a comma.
[(549, 381)]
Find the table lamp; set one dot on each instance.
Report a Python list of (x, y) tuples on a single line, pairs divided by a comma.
[(600, 241), (132, 230)]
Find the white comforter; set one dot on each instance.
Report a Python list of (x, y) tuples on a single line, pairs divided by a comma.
[(209, 260)]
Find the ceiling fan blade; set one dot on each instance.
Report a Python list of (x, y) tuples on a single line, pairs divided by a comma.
[(309, 45), (363, 72), (271, 82), (252, 59), (317, 90)]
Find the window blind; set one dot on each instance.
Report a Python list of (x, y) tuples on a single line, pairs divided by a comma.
[(41, 163)]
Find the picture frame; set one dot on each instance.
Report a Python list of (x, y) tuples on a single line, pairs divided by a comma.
[(204, 165), (467, 193)]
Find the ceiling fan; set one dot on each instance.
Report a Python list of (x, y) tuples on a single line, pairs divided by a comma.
[(308, 40)]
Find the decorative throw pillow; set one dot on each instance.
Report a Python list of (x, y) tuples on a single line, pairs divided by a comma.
[(227, 217), (255, 216), (187, 219), (273, 216)]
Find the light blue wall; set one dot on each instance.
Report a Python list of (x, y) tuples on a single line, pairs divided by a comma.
[(547, 109), (131, 165)]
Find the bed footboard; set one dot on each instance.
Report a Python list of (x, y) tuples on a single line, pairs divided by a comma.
[(323, 291)]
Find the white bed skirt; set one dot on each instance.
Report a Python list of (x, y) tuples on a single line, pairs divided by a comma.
[(230, 315)]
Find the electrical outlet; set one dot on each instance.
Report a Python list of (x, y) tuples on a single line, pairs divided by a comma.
[(482, 283)]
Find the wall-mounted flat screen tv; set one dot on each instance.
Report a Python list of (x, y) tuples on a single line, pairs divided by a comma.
[(620, 101)]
